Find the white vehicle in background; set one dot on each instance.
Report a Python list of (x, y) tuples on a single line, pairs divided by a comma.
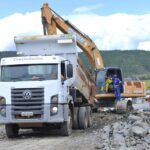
[(140, 104)]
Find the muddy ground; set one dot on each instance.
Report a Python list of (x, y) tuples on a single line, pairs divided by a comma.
[(80, 139)]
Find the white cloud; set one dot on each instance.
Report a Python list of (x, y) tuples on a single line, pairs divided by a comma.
[(85, 9), (144, 45), (18, 24), (116, 31)]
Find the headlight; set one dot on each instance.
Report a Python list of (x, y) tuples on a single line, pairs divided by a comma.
[(3, 111), (54, 110), (2, 101), (2, 106), (54, 105), (54, 99)]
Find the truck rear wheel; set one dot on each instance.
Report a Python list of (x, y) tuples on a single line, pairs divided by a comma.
[(83, 119), (89, 114), (75, 123), (11, 130), (66, 127)]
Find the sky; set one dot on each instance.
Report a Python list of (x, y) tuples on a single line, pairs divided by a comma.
[(112, 24)]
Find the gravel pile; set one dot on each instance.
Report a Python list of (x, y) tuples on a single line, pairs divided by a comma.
[(134, 134)]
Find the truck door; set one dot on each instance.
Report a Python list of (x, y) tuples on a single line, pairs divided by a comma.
[(64, 81)]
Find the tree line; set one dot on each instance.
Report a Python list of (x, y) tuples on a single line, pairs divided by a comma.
[(134, 63)]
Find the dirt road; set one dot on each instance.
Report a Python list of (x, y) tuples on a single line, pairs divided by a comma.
[(80, 139)]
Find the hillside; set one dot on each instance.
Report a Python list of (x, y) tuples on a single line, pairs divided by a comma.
[(133, 63)]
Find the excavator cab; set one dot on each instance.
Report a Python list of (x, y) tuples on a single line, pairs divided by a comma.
[(102, 75)]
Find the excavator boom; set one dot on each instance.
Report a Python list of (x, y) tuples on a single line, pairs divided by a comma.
[(51, 21)]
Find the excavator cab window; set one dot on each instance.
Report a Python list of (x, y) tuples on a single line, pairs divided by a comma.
[(115, 71), (101, 77), (100, 81)]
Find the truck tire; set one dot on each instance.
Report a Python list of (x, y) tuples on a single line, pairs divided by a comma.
[(11, 130), (75, 123), (89, 115), (66, 127), (83, 119)]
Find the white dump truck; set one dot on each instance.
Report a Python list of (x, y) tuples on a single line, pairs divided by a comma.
[(45, 86)]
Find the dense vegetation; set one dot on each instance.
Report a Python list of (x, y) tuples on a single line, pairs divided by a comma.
[(133, 63), (147, 84), (7, 54)]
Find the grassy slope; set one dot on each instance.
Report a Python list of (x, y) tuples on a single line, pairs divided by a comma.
[(133, 63), (147, 84)]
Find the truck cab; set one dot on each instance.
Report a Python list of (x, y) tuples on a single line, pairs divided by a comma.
[(26, 81)]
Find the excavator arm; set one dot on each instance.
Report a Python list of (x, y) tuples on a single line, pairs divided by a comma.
[(51, 21)]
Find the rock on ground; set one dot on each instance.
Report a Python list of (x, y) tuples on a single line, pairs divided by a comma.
[(109, 132), (130, 134)]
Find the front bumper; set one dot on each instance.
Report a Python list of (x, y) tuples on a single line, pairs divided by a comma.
[(46, 116)]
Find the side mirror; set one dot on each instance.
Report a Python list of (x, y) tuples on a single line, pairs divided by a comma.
[(69, 70)]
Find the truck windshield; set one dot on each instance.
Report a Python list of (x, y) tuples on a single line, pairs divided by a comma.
[(29, 72)]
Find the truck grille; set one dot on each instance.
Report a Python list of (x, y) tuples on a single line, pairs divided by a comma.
[(27, 103)]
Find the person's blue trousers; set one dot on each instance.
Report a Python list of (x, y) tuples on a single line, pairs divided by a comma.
[(117, 93)]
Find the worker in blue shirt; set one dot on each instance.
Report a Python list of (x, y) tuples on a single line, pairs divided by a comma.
[(116, 84)]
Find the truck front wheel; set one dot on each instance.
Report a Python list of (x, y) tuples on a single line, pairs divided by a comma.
[(66, 127), (11, 130)]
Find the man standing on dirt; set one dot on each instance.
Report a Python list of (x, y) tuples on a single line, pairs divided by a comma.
[(116, 83)]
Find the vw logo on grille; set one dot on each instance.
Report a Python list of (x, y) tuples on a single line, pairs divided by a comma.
[(27, 94)]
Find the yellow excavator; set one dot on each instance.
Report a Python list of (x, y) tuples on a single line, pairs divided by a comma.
[(129, 89)]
